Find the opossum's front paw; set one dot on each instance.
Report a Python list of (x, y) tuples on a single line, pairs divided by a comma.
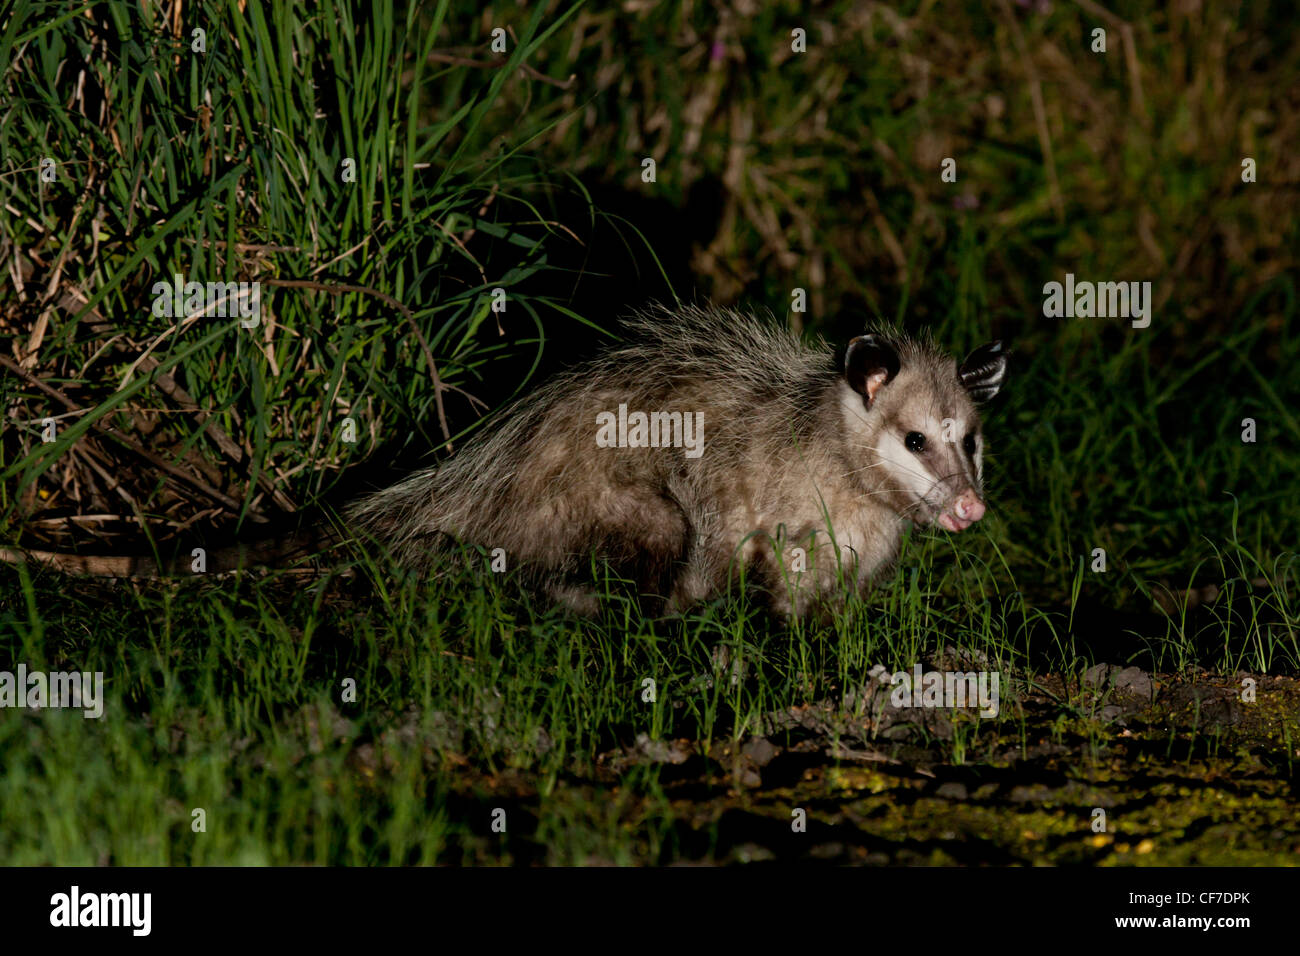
[(581, 601), (726, 667)]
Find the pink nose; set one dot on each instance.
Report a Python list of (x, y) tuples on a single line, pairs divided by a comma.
[(968, 506)]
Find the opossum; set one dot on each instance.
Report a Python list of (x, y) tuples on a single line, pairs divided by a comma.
[(741, 452)]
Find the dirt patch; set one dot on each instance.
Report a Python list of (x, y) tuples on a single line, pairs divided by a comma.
[(1115, 767)]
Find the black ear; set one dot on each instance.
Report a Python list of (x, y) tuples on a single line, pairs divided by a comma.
[(870, 362), (983, 371)]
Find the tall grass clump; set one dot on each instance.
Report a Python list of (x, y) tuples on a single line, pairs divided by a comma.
[(331, 152)]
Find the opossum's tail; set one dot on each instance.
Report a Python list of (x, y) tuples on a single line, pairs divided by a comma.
[(404, 519), (282, 552), (470, 498)]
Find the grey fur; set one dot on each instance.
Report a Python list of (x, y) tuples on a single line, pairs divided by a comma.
[(793, 458)]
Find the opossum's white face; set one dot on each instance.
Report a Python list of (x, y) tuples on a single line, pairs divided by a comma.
[(910, 414)]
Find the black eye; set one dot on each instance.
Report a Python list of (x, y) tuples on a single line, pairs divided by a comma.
[(969, 443), (914, 441)]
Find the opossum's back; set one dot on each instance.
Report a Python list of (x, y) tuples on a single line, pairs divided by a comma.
[(539, 464), (728, 350)]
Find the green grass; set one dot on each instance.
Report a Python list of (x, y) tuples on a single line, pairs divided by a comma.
[(227, 694)]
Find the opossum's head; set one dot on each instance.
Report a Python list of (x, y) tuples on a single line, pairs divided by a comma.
[(913, 429)]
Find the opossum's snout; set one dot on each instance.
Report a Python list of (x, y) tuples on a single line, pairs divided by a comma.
[(965, 510)]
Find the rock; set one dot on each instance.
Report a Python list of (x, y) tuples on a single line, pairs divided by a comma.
[(1096, 675), (1136, 681), (952, 790), (760, 750), (660, 751), (744, 762), (1030, 793), (745, 773), (1206, 706)]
